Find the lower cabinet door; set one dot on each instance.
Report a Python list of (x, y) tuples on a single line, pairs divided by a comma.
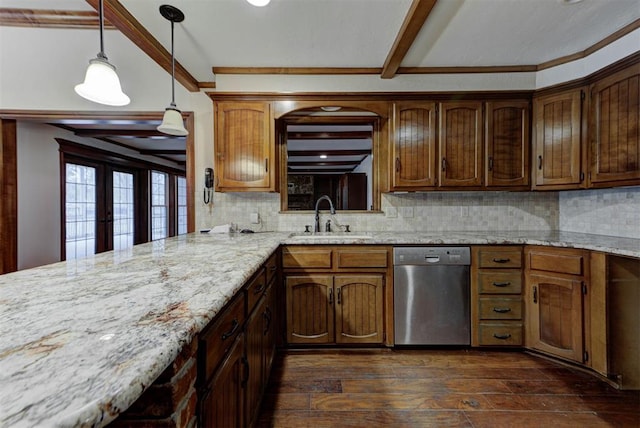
[(223, 402), (254, 339), (555, 316), (358, 304), (309, 301)]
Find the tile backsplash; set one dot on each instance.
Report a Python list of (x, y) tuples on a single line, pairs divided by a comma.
[(424, 212), (604, 211)]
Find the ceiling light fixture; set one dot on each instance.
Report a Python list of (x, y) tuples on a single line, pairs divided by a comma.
[(323, 156), (101, 84), (571, 1), (258, 3), (172, 122)]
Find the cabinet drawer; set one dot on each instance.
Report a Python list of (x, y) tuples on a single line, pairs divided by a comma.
[(362, 258), (500, 334), (271, 266), (501, 258), (500, 282), (570, 262), (217, 340), (255, 289), (300, 257), (497, 308)]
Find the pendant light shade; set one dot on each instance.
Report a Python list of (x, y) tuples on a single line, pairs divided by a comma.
[(101, 83), (259, 3), (172, 122)]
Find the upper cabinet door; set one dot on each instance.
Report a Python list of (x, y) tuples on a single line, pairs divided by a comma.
[(557, 154), (507, 144), (614, 128), (413, 160), (461, 143), (245, 153)]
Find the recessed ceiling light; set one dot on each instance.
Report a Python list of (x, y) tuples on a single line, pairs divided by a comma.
[(259, 3), (323, 156), (570, 1), (330, 108)]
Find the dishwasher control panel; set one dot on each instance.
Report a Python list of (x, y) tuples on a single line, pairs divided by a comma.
[(431, 256)]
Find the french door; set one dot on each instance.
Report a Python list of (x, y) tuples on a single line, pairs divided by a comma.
[(99, 208)]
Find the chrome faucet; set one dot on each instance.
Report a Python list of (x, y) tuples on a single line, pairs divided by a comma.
[(333, 211)]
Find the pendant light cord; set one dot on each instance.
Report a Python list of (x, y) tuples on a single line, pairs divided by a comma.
[(173, 71), (101, 54)]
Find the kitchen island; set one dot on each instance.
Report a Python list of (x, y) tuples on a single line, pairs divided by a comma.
[(81, 340)]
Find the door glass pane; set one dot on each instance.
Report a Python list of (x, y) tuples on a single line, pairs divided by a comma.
[(182, 205), (159, 205), (122, 210), (80, 211)]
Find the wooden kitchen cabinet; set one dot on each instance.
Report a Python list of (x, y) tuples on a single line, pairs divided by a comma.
[(507, 144), (222, 403), (309, 303), (557, 147), (460, 144), (337, 294), (556, 280), (244, 147), (613, 129), (496, 296), (413, 159)]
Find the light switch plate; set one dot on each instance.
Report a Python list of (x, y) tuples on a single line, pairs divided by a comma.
[(391, 212), (406, 212)]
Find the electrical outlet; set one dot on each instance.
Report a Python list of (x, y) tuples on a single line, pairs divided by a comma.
[(406, 212), (391, 212), (254, 218), (464, 211)]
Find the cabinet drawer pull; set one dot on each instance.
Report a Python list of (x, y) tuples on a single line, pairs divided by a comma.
[(507, 260), (502, 284), (234, 327), (502, 336), (259, 289), (501, 310), (245, 363)]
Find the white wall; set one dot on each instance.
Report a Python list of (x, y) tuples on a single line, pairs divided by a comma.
[(38, 195)]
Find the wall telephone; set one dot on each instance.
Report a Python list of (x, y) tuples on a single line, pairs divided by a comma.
[(208, 184)]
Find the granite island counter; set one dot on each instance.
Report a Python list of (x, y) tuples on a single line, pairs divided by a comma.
[(82, 339)]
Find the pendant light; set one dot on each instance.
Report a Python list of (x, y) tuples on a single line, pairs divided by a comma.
[(172, 123), (101, 84), (259, 3)]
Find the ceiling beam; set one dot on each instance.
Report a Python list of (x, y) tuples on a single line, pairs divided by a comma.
[(124, 21), (417, 15), (162, 152), (342, 135), (49, 18), (324, 163), (123, 133), (329, 152), (296, 70)]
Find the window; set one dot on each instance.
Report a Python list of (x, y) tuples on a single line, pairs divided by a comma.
[(159, 206), (80, 211), (181, 204), (123, 210)]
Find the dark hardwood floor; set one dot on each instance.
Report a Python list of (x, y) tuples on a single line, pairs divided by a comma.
[(438, 388)]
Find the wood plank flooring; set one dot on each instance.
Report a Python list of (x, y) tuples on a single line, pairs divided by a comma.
[(438, 388)]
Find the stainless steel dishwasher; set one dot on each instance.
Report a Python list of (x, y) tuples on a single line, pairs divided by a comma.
[(431, 295)]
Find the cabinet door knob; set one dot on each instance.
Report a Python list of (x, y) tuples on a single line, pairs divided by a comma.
[(501, 336)]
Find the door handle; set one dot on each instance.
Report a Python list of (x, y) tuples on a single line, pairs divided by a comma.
[(490, 163), (234, 328), (444, 164), (535, 294), (539, 162), (331, 296), (338, 301)]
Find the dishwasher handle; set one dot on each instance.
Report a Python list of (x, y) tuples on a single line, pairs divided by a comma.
[(432, 259)]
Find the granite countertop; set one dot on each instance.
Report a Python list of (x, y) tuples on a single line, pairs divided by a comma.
[(80, 340)]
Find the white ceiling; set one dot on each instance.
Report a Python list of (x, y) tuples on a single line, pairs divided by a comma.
[(360, 33)]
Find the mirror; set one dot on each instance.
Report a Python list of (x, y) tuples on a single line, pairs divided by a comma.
[(329, 155)]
